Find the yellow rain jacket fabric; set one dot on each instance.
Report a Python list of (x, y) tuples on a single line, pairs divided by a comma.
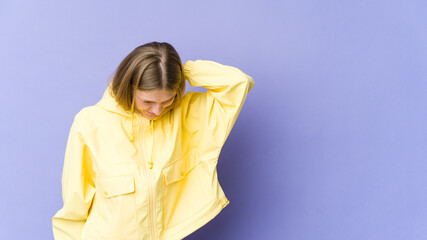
[(128, 178)]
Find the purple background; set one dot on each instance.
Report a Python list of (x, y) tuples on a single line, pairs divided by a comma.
[(332, 140)]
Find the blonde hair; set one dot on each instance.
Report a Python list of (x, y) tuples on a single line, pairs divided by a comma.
[(152, 66)]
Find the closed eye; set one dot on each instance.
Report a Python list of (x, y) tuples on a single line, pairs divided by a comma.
[(162, 102)]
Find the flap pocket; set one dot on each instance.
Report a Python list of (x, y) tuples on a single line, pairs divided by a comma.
[(177, 170), (113, 186)]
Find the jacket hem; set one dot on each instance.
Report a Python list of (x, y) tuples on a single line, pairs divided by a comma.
[(190, 225)]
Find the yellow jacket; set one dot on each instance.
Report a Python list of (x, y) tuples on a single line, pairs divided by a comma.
[(128, 178)]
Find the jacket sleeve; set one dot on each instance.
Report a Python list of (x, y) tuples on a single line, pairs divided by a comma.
[(215, 111), (77, 188)]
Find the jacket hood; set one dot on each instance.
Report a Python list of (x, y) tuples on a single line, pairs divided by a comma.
[(130, 121), (108, 102)]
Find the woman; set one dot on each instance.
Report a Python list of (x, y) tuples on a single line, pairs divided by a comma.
[(141, 163)]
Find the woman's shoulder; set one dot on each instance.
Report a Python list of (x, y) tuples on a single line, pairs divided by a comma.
[(92, 116), (86, 114), (83, 117)]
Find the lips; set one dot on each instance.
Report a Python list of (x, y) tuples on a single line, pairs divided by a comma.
[(151, 115)]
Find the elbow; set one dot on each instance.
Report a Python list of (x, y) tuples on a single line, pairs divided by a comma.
[(250, 82), (247, 81), (244, 79)]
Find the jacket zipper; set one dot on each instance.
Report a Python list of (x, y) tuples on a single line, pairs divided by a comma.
[(151, 206)]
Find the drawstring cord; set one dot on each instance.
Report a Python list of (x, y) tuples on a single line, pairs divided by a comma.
[(132, 133), (152, 145)]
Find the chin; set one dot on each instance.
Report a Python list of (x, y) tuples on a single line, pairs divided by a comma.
[(151, 117)]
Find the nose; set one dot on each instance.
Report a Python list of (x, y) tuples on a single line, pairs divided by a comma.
[(157, 109)]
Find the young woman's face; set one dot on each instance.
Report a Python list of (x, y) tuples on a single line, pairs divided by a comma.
[(151, 103)]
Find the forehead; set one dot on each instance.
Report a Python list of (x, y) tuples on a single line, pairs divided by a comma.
[(158, 95)]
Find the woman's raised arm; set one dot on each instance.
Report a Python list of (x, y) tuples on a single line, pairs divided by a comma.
[(215, 111)]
